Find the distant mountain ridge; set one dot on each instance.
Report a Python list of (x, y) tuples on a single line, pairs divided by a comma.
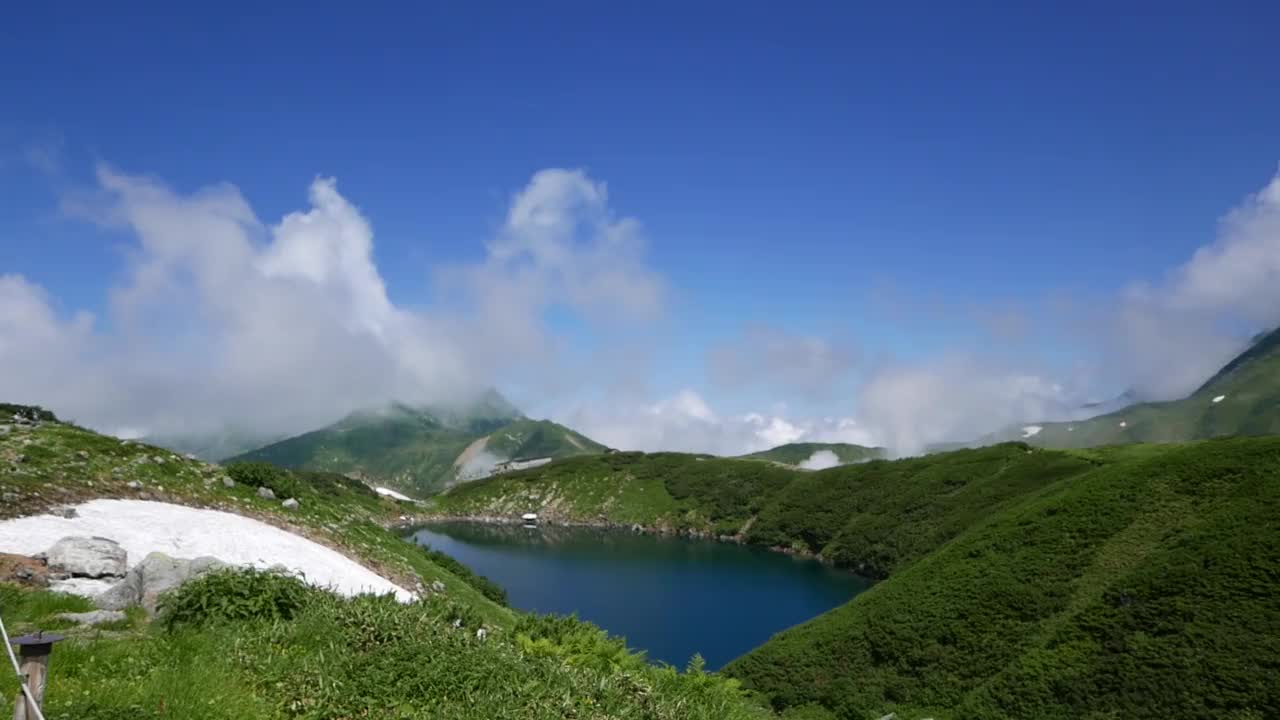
[(795, 454), (1243, 398), (424, 449)]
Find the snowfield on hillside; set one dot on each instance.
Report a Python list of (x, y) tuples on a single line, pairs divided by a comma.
[(393, 494), (143, 527)]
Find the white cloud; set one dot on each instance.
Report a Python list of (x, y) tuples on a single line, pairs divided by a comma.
[(820, 460), (225, 320), (1171, 336), (775, 357), (686, 422), (956, 398)]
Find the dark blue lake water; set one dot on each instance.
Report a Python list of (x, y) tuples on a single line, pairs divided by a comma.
[(670, 597)]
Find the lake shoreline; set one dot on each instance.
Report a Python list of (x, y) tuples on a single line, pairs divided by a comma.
[(423, 520)]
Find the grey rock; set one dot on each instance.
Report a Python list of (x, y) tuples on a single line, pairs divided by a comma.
[(82, 454), (481, 634), (65, 511), (94, 617), (157, 459), (4, 429), (437, 586), (189, 456), (9, 497), (290, 504), (228, 482), (890, 716), (20, 459), (155, 575), (266, 494), (92, 557), (133, 485)]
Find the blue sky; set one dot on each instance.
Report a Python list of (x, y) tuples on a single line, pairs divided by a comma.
[(788, 164)]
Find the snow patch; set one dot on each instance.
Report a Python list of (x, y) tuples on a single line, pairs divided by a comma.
[(143, 527), (393, 494), (1031, 431), (1124, 423), (1219, 399)]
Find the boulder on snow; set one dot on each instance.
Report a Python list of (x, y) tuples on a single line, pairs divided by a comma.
[(93, 617), (156, 574), (91, 557), (266, 494)]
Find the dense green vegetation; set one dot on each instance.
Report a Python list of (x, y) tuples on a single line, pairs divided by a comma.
[(1249, 388), (253, 645), (674, 491), (1142, 588), (796, 453), (423, 449), (1018, 581)]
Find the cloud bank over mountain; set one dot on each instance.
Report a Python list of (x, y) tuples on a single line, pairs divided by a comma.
[(221, 318)]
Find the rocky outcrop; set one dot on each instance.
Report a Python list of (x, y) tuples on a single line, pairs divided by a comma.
[(86, 557), (156, 574), (22, 570), (266, 494)]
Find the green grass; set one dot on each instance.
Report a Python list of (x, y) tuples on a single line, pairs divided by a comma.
[(674, 491), (1140, 588), (233, 656)]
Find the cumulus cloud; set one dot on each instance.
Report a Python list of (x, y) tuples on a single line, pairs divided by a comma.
[(1170, 336), (1160, 339), (766, 355), (224, 320), (820, 460), (685, 421), (913, 406)]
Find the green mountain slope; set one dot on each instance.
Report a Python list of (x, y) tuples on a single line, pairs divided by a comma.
[(1008, 572), (425, 449), (260, 646), (538, 439), (1243, 398), (1141, 588), (796, 453)]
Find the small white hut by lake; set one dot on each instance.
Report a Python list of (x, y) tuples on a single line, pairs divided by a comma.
[(529, 518)]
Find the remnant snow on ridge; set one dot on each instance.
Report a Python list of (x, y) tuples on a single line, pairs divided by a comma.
[(393, 494), (1031, 431), (143, 527), (1219, 399)]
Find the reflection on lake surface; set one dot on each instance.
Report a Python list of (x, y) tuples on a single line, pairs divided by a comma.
[(671, 597)]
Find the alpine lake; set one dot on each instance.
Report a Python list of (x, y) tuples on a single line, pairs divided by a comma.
[(669, 597)]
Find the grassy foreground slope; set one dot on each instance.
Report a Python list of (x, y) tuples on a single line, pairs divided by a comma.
[(257, 645), (56, 463), (1142, 588)]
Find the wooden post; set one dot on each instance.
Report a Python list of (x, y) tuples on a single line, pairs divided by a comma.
[(33, 654)]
